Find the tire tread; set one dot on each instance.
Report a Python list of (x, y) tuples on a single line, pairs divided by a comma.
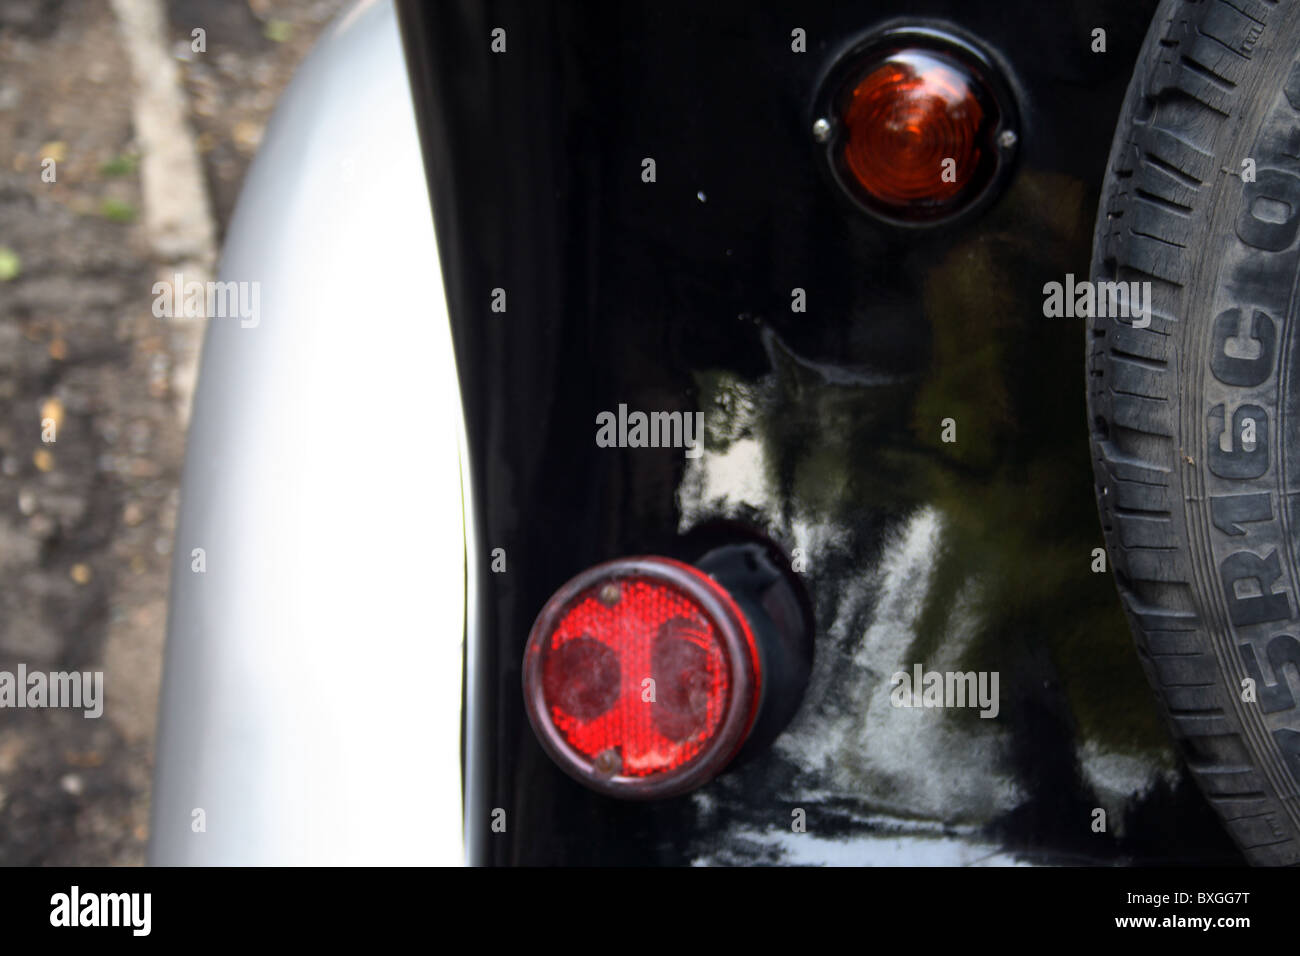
[(1154, 207)]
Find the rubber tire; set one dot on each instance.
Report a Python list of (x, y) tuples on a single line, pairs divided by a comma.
[(1198, 536)]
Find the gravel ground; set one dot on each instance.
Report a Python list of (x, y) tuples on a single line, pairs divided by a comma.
[(86, 520)]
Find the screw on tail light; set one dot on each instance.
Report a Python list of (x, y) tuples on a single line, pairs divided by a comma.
[(917, 126), (644, 677)]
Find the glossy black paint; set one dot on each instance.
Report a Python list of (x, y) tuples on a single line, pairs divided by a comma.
[(676, 296)]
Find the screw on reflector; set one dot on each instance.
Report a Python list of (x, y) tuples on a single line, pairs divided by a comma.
[(608, 762)]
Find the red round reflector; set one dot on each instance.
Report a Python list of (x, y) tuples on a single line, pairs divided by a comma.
[(642, 677)]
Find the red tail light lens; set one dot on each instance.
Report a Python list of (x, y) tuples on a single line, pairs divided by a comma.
[(909, 121), (642, 677), (917, 133)]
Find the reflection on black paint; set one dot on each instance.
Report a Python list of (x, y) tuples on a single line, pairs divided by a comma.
[(623, 291)]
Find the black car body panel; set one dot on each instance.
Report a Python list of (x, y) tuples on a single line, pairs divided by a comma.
[(823, 427)]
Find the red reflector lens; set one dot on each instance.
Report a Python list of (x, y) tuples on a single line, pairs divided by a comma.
[(660, 635), (917, 135), (642, 677)]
